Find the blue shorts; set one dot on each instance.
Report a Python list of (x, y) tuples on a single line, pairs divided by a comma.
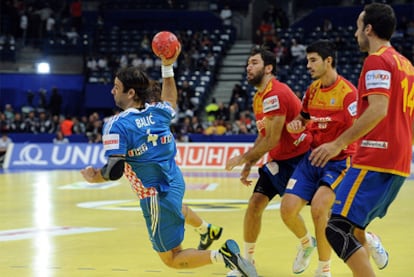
[(274, 176), (164, 218), (306, 179), (364, 195)]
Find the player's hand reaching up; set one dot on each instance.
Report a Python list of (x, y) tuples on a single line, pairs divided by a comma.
[(171, 60)]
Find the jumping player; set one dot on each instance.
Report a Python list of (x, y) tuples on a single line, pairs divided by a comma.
[(139, 144)]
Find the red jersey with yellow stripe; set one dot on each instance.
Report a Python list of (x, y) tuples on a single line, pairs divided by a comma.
[(332, 111), (277, 99), (388, 147)]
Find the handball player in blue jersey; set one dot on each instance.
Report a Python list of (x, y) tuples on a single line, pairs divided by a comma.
[(138, 143)]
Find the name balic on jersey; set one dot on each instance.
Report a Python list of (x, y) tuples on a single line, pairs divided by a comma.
[(144, 121)]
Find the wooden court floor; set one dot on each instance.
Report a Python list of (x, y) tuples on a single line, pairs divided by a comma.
[(54, 224)]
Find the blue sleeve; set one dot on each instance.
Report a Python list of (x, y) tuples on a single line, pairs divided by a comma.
[(114, 139)]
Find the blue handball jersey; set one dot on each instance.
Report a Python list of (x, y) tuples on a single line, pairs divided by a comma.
[(144, 137)]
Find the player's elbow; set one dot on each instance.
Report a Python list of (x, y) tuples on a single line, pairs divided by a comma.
[(114, 169)]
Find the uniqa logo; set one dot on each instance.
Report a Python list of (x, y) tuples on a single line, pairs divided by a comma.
[(31, 154)]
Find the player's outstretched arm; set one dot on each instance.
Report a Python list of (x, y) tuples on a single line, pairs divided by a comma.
[(112, 170), (273, 129), (169, 88)]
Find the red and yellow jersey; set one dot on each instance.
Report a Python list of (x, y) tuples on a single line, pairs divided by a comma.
[(388, 147), (277, 99), (332, 110)]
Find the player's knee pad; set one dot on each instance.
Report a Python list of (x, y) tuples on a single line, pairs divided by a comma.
[(339, 233)]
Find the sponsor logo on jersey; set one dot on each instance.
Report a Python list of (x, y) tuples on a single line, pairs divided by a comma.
[(167, 139), (138, 151), (321, 119), (352, 108), (374, 144), (300, 139), (271, 104), (110, 141), (378, 79)]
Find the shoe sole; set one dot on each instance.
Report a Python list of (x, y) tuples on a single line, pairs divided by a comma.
[(381, 268), (233, 248), (234, 275)]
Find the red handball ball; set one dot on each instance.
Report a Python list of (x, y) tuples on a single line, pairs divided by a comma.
[(165, 43)]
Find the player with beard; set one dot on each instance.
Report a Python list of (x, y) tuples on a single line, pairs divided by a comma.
[(274, 104)]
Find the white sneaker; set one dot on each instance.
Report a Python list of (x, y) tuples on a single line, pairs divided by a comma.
[(377, 251), (322, 273), (303, 257), (234, 273)]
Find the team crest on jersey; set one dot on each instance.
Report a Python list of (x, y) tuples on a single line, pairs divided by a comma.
[(110, 141), (378, 79), (271, 104)]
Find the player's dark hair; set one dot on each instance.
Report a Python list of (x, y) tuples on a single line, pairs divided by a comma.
[(382, 19), (268, 57), (324, 48), (133, 78)]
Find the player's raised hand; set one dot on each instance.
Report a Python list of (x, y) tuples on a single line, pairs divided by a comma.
[(171, 60), (166, 46)]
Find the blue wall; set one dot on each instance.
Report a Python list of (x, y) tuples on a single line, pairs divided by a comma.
[(98, 96), (14, 87)]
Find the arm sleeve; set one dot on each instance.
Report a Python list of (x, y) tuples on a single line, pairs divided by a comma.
[(114, 169)]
